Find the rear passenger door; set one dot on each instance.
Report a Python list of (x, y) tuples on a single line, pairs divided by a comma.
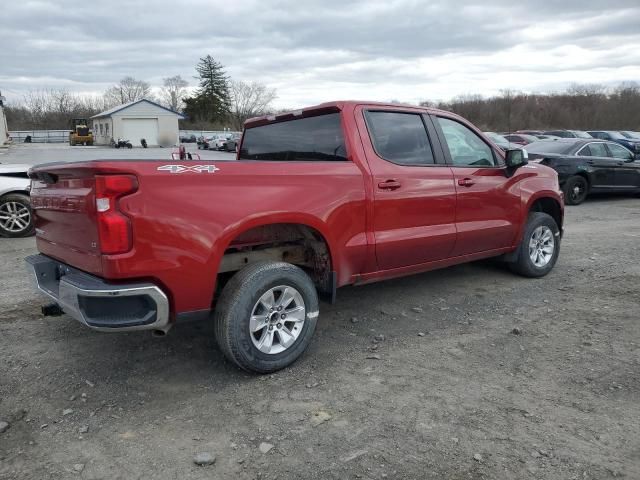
[(627, 173), (488, 201), (413, 191)]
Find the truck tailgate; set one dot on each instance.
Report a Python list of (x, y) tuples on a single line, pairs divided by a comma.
[(63, 198)]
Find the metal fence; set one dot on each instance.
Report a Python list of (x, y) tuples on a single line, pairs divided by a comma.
[(40, 136), (62, 136), (206, 133)]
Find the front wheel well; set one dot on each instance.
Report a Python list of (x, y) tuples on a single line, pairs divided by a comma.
[(297, 244), (550, 206)]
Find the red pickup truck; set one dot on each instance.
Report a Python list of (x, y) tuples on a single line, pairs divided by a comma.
[(342, 193)]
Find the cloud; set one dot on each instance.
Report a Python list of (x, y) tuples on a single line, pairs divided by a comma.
[(314, 51)]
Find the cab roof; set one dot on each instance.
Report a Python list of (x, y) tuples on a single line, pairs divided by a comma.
[(331, 107)]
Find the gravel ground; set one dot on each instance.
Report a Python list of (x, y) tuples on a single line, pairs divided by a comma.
[(465, 373)]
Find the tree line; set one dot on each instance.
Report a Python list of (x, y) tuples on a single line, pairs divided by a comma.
[(579, 107), (217, 101)]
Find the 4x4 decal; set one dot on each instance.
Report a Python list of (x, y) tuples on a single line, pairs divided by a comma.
[(184, 168)]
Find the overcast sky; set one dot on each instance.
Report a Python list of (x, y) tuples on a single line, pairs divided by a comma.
[(314, 51)]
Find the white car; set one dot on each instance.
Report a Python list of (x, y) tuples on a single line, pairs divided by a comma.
[(16, 219)]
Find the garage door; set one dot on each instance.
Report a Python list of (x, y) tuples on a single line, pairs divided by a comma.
[(134, 129)]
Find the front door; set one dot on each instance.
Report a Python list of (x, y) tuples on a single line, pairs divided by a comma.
[(413, 191), (488, 209), (627, 172), (602, 167)]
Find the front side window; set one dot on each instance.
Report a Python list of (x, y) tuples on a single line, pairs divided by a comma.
[(465, 147), (317, 138), (618, 151), (400, 138)]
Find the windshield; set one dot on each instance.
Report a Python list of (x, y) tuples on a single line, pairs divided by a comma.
[(631, 135), (616, 135), (550, 146), (317, 138), (580, 134)]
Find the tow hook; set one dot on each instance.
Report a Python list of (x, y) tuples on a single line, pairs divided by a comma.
[(52, 310)]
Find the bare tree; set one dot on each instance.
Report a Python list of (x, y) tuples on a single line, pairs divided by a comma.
[(127, 90), (249, 100), (173, 91)]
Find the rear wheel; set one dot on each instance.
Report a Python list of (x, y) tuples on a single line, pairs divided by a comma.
[(16, 219), (540, 246), (575, 190), (266, 316)]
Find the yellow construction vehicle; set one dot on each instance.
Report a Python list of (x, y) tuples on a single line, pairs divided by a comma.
[(80, 133)]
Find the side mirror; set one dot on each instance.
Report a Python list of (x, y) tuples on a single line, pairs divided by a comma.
[(516, 158), (636, 157)]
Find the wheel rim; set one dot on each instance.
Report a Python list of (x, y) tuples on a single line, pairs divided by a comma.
[(578, 191), (14, 217), (541, 246), (277, 319)]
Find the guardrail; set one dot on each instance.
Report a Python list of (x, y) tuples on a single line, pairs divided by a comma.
[(40, 136)]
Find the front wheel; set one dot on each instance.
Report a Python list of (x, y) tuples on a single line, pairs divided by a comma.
[(575, 190), (539, 248), (266, 316)]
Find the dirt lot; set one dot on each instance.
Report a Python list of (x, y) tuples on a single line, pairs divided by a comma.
[(469, 399)]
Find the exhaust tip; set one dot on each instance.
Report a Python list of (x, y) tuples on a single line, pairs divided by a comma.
[(158, 333)]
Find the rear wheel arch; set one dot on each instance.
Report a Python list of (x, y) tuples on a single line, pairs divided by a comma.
[(299, 243)]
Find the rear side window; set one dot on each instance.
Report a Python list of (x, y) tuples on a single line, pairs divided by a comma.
[(306, 139), (400, 138), (594, 150)]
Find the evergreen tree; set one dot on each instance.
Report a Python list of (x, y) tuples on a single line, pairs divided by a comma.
[(211, 101)]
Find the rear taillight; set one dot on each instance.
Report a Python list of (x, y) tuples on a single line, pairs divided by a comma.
[(114, 228)]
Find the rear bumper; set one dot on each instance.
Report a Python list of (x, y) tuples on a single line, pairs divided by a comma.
[(97, 304)]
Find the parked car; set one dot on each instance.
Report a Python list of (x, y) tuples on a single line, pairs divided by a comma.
[(632, 144), (16, 219), (520, 138), (220, 142), (631, 135), (568, 133), (499, 140), (588, 166), (188, 138), (546, 137), (231, 143), (530, 132), (203, 144), (324, 197)]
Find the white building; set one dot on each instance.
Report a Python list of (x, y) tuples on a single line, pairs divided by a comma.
[(136, 120), (4, 130)]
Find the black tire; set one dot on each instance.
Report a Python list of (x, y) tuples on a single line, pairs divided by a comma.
[(523, 264), (236, 305), (117, 145), (8, 202), (575, 190), (129, 145)]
